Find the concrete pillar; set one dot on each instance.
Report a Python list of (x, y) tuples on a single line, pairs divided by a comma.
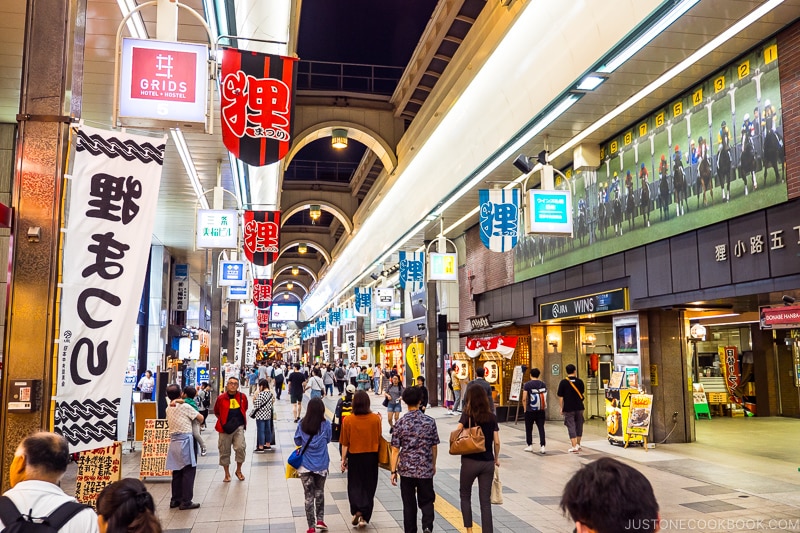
[(765, 371), (52, 39), (157, 307), (432, 357), (215, 348)]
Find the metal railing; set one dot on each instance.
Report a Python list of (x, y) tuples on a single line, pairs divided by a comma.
[(309, 170), (347, 77)]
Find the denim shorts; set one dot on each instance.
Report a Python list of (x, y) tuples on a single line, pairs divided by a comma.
[(394, 407)]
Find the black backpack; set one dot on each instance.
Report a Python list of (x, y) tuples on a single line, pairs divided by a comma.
[(14, 522)]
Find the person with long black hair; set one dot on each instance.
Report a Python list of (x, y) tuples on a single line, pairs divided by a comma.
[(479, 465), (313, 434), (361, 432), (125, 506)]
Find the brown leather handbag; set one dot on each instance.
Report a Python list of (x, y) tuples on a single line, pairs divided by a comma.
[(467, 440)]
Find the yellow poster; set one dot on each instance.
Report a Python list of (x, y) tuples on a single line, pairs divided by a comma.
[(639, 419), (96, 469), (154, 449), (414, 354)]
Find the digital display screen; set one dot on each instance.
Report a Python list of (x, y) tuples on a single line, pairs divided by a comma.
[(284, 312), (627, 339)]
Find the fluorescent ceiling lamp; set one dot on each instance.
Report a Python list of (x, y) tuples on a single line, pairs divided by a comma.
[(188, 164), (662, 24), (590, 83), (678, 69), (134, 23), (461, 220)]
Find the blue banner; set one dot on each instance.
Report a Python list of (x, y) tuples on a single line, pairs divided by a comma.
[(412, 270), (499, 218)]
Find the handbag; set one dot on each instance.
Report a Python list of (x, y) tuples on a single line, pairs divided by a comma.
[(386, 402), (497, 488), (467, 440), (291, 471), (384, 453), (296, 457)]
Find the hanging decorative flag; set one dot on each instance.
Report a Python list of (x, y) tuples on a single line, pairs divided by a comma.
[(113, 197), (262, 236), (256, 103), (262, 293), (262, 318), (363, 300), (499, 218), (412, 271), (335, 318), (505, 345)]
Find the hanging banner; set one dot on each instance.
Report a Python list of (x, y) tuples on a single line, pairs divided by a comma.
[(499, 218), (363, 300), (729, 363), (262, 236), (503, 344), (114, 191), (335, 318), (442, 267), (262, 293), (238, 342), (412, 270), (256, 104), (180, 288), (97, 469), (350, 341)]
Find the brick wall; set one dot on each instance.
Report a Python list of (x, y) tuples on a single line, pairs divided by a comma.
[(789, 65)]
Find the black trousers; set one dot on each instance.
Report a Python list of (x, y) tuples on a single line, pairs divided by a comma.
[(415, 492), (532, 417), (278, 387), (183, 484), (362, 482), (483, 471), (340, 385)]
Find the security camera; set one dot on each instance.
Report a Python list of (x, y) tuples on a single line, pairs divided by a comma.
[(788, 300), (523, 163)]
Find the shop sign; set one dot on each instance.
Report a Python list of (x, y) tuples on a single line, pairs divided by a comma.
[(155, 445), (594, 304), (180, 288), (384, 297), (443, 267), (238, 293), (550, 213), (786, 317), (639, 417), (350, 341), (479, 322), (505, 345), (231, 273), (238, 342), (516, 384), (163, 81), (730, 367), (217, 228)]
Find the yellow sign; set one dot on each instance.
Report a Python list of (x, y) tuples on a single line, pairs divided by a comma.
[(443, 267), (654, 375), (414, 359), (96, 469), (639, 419), (154, 449)]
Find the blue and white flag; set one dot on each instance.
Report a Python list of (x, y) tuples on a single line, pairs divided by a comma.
[(363, 300), (499, 218), (412, 270), (335, 318)]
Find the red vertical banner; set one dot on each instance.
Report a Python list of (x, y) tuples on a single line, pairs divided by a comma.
[(262, 236), (256, 102), (729, 362), (262, 294)]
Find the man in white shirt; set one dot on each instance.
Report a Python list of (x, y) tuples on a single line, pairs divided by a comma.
[(38, 466), (352, 374)]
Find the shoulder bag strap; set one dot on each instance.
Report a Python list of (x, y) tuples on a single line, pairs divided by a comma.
[(8, 511), (64, 513), (576, 389)]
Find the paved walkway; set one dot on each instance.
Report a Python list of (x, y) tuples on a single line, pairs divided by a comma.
[(741, 475)]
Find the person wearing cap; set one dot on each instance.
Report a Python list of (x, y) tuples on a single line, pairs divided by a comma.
[(344, 407)]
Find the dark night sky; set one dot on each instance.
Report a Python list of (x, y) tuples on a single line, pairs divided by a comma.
[(372, 32)]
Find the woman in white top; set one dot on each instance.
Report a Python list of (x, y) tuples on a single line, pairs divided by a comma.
[(146, 385), (315, 384)]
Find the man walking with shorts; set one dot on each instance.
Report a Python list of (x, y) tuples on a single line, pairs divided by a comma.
[(297, 383), (570, 396), (231, 413)]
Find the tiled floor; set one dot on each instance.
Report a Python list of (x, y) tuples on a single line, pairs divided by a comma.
[(741, 475)]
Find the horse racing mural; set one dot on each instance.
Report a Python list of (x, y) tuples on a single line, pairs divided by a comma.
[(714, 153)]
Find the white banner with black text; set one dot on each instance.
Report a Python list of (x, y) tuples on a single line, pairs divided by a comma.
[(112, 204)]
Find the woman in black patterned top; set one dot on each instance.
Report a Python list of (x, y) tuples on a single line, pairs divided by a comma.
[(262, 412)]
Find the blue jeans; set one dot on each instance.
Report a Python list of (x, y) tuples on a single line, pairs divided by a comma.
[(264, 434), (377, 384)]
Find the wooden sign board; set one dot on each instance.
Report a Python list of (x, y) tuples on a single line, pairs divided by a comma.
[(96, 469), (154, 449)]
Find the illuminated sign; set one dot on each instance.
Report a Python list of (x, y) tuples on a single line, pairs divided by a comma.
[(550, 212), (163, 81), (443, 267), (232, 273), (217, 228)]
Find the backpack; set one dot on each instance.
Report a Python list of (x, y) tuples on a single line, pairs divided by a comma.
[(15, 522), (339, 373), (206, 399)]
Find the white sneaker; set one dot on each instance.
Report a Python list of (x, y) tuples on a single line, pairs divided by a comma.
[(542, 450), (573, 450), (528, 449), (578, 448)]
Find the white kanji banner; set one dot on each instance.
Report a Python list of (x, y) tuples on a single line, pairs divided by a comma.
[(114, 191)]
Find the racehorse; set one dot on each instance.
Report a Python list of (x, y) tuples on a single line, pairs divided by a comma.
[(747, 164), (679, 189), (583, 228), (644, 203), (773, 154), (724, 171), (616, 213), (663, 197), (601, 217), (630, 208), (704, 169)]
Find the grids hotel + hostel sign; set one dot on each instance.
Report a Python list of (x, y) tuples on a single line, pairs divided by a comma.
[(232, 273), (549, 212), (443, 267), (256, 103), (594, 304), (499, 218), (412, 270), (262, 231), (113, 196), (217, 228), (163, 81)]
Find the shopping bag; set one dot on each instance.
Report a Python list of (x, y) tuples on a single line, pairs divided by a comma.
[(291, 471), (497, 488), (384, 453)]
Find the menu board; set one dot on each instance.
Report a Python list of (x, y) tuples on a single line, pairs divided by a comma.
[(516, 384), (96, 469), (154, 449), (639, 417)]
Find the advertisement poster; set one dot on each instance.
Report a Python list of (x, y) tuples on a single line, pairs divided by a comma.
[(713, 153), (414, 355), (96, 469), (729, 364), (516, 384), (639, 419), (154, 449)]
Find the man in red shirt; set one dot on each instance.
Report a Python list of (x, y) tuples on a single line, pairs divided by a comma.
[(231, 413)]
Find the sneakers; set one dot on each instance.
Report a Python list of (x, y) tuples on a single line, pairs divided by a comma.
[(528, 449), (361, 522), (203, 452), (321, 526), (311, 530), (542, 450), (574, 450)]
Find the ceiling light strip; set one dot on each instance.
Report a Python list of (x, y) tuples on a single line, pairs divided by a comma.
[(188, 164), (678, 69)]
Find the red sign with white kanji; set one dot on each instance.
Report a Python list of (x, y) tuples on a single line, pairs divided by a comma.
[(163, 74), (256, 102), (262, 236), (262, 293)]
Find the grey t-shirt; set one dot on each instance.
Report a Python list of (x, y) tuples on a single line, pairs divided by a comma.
[(394, 392)]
